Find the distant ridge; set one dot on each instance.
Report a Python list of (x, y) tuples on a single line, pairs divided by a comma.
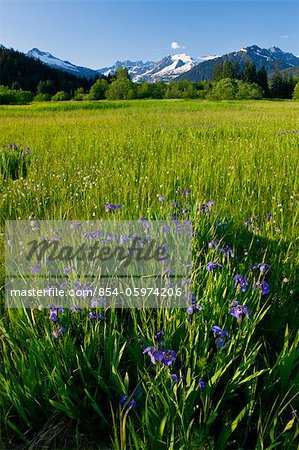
[(269, 58)]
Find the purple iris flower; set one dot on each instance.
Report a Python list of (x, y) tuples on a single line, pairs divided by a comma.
[(241, 281), (166, 357), (186, 191), (264, 287), (131, 403), (213, 244), (221, 335), (58, 333), (202, 384), (177, 379), (263, 267), (239, 310), (174, 377), (160, 198), (193, 307), (35, 269), (213, 265), (227, 250), (205, 207), (112, 206), (159, 338), (75, 308), (54, 312), (249, 221), (93, 316), (145, 223)]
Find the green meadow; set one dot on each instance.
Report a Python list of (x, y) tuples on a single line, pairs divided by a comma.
[(237, 393)]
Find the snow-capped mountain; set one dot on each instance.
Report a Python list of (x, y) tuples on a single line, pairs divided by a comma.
[(135, 68), (271, 59), (166, 69), (57, 63), (169, 68)]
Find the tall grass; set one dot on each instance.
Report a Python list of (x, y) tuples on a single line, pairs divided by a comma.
[(65, 393)]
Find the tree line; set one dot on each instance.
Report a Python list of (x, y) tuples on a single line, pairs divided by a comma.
[(24, 79)]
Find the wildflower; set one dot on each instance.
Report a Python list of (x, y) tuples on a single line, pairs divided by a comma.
[(213, 244), (109, 206), (54, 312), (132, 403), (177, 379), (75, 225), (58, 333), (35, 269), (159, 336), (160, 198), (249, 221), (202, 384), (67, 269), (193, 307), (222, 224), (263, 267), (239, 310), (241, 281), (205, 207), (221, 335), (227, 250), (186, 191), (75, 308), (166, 357), (212, 265), (174, 377), (264, 287), (93, 316), (174, 204)]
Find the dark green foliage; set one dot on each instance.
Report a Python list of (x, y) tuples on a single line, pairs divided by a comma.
[(13, 97), (98, 90), (218, 72), (248, 91), (262, 80), (23, 72), (181, 89), (14, 161), (60, 96), (296, 92), (281, 86), (227, 69), (249, 72), (79, 94), (45, 87), (121, 89), (42, 98), (225, 89)]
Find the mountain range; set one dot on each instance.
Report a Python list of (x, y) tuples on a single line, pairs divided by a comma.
[(271, 59), (178, 66)]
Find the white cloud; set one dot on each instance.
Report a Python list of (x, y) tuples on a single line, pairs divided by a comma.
[(284, 36), (175, 46)]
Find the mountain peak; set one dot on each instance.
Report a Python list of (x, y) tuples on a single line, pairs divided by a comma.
[(275, 50)]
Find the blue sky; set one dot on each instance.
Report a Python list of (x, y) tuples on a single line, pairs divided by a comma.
[(97, 33)]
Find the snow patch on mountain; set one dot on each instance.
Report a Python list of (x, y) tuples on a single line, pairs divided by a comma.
[(207, 58), (57, 63)]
